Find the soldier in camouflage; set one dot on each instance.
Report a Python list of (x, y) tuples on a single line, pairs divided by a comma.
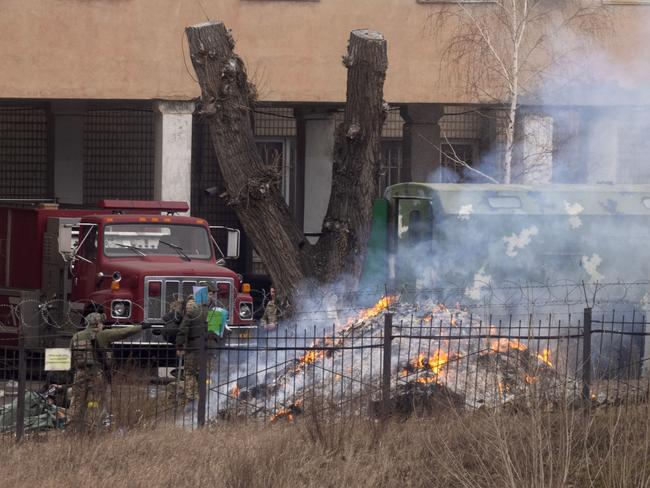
[(191, 333), (271, 313), (91, 362)]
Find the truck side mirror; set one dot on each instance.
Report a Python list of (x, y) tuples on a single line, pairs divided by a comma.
[(68, 239), (232, 243)]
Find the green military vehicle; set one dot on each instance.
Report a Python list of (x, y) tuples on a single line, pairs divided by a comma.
[(478, 239)]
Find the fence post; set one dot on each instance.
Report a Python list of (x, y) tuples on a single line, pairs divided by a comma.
[(203, 375), (386, 365), (22, 380), (645, 357), (586, 357)]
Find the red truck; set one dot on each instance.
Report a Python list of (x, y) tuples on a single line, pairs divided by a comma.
[(132, 257)]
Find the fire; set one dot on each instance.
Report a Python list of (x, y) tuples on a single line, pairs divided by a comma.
[(437, 361), (235, 391), (289, 413), (377, 308), (309, 357), (545, 357), (312, 356), (425, 380), (504, 345), (433, 363), (283, 413), (419, 362), (530, 379)]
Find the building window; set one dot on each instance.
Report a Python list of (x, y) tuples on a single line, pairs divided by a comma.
[(24, 166), (279, 153), (455, 156), (390, 167), (275, 137), (118, 152)]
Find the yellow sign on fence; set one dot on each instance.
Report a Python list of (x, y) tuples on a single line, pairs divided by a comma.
[(58, 359)]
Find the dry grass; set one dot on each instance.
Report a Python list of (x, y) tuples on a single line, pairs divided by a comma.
[(522, 449)]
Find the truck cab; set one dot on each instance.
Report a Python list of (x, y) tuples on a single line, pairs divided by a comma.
[(134, 258)]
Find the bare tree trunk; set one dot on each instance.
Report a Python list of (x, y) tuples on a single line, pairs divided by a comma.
[(251, 186), (357, 150), (510, 139)]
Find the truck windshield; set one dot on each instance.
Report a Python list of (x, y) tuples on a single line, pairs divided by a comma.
[(156, 239)]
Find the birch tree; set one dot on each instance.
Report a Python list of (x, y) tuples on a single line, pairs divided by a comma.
[(508, 49)]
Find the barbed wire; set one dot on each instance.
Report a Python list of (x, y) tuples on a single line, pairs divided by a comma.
[(329, 304)]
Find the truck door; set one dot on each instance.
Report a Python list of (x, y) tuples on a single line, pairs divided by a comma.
[(84, 270), (412, 238)]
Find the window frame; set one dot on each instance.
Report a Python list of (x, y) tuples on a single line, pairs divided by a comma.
[(288, 162), (474, 144)]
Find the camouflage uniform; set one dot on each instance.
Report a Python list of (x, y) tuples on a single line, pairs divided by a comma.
[(271, 313), (191, 331), (91, 361)]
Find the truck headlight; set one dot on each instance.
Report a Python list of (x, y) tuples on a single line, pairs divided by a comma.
[(121, 309), (245, 310)]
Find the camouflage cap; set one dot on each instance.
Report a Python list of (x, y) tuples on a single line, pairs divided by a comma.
[(94, 319)]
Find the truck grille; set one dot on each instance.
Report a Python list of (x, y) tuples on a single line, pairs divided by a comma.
[(161, 291)]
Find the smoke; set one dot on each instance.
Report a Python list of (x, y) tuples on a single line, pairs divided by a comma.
[(582, 119), (585, 122), (319, 312)]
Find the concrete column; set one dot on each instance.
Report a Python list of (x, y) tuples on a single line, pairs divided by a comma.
[(421, 140), (319, 130), (173, 151), (537, 149), (68, 119), (602, 147)]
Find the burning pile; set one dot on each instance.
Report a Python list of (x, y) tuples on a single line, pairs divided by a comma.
[(439, 349)]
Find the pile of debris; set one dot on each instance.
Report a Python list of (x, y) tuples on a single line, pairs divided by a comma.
[(439, 356)]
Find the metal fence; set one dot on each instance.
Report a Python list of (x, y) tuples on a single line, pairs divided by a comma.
[(390, 359)]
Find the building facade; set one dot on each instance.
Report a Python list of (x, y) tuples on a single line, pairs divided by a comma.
[(97, 101)]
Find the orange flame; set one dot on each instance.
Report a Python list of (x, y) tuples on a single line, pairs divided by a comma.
[(309, 357), (530, 379), (437, 361), (235, 391), (504, 388), (377, 308), (505, 345), (419, 362), (290, 412), (433, 363), (427, 380), (545, 357), (283, 413)]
